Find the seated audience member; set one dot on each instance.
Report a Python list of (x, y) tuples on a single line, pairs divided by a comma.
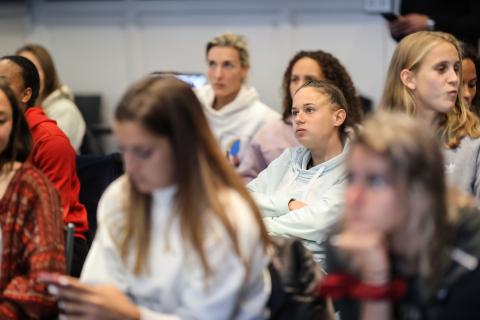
[(232, 107), (31, 225), (179, 237), (51, 153), (404, 249), (470, 77), (424, 79), (300, 193), (54, 97), (275, 136)]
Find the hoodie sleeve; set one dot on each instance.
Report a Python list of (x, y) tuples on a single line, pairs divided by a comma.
[(311, 222), (265, 188), (253, 161)]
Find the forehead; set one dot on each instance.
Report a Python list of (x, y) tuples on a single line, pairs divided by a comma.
[(468, 66), (131, 132), (310, 95), (307, 65), (362, 157), (11, 72), (223, 53), (444, 51)]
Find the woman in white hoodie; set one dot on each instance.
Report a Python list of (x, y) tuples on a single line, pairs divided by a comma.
[(232, 107), (54, 97), (300, 193)]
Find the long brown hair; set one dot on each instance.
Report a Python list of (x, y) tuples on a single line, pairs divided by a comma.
[(168, 107), (409, 54), (51, 78)]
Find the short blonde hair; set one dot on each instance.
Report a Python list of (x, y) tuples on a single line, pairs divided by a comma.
[(232, 40), (409, 54)]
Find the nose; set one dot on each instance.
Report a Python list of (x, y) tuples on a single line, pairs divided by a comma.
[(299, 117), (128, 163), (218, 72), (354, 195), (453, 77)]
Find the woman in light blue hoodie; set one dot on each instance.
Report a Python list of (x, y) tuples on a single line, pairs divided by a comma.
[(300, 193)]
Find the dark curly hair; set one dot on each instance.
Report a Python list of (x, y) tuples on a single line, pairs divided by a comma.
[(334, 72)]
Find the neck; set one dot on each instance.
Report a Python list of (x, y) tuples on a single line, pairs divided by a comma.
[(327, 151), (428, 116), (220, 102)]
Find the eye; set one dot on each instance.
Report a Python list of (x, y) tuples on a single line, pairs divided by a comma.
[(441, 68), (377, 181), (294, 79), (472, 84), (309, 110), (143, 153), (211, 64), (310, 78), (228, 65), (294, 112), (456, 67), (350, 178)]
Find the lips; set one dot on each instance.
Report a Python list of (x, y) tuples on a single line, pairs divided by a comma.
[(300, 131), (452, 93), (218, 85)]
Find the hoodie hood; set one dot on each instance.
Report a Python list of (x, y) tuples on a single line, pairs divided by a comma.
[(245, 97), (61, 93), (301, 156)]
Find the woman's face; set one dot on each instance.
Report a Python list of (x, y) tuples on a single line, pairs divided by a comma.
[(373, 202), (225, 72), (469, 80), (305, 69), (435, 84), (315, 120), (6, 121), (147, 158), (30, 56)]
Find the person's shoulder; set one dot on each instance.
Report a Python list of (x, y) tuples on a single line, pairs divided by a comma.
[(110, 204), (237, 209), (33, 179), (268, 112)]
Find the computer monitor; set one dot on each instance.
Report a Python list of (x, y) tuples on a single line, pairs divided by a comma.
[(194, 79)]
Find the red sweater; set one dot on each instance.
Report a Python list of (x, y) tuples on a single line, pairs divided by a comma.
[(54, 155)]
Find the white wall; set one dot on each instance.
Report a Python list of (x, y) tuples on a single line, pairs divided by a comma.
[(102, 46)]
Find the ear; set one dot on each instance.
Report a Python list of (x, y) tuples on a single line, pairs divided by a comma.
[(245, 70), (339, 117), (408, 79), (26, 95)]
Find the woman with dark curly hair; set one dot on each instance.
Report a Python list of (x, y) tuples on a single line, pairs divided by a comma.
[(274, 137)]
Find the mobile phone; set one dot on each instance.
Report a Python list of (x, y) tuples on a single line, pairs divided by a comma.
[(389, 16)]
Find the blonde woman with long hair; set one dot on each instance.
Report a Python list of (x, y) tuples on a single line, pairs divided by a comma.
[(179, 236), (425, 79)]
